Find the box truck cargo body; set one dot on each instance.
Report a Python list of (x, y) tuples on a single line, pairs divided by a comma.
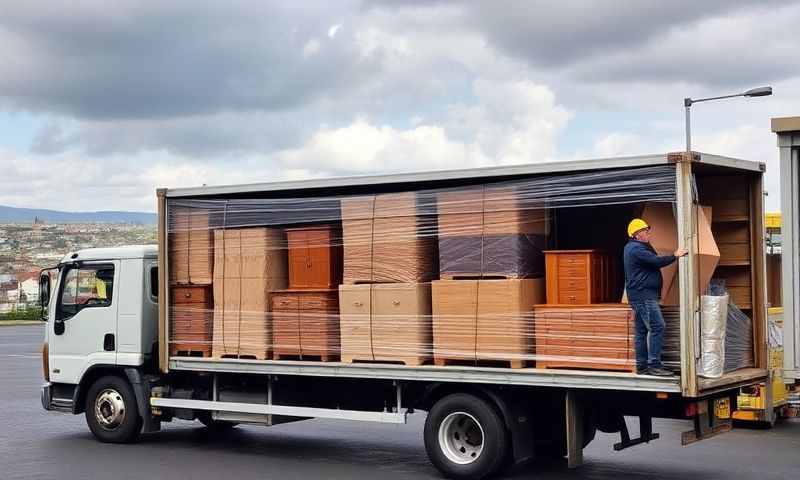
[(490, 298)]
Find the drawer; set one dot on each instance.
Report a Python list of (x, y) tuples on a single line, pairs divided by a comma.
[(284, 303), (319, 303), (181, 295), (572, 283), (573, 297)]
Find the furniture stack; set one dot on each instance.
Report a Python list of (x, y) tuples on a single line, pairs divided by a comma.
[(305, 316), (389, 258), (587, 337), (248, 265), (190, 277), (491, 262), (577, 328)]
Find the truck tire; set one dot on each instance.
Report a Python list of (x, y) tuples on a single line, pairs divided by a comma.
[(465, 437), (111, 411)]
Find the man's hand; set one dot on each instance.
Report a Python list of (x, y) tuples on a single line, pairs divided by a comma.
[(681, 252)]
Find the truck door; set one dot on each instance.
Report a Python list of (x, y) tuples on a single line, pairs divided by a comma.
[(84, 324)]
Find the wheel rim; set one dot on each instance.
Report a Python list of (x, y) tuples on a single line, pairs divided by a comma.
[(461, 438), (109, 409)]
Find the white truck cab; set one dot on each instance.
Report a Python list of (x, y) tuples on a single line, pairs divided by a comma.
[(102, 316)]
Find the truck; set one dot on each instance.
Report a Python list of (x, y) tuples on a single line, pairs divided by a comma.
[(107, 349)]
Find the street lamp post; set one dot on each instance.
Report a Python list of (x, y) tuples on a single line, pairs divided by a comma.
[(687, 102)]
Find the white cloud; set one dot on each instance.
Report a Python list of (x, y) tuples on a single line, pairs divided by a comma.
[(334, 28), (311, 47)]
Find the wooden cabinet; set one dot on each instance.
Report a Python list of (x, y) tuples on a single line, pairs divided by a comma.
[(315, 257), (587, 337), (305, 324), (578, 277), (191, 311), (388, 322)]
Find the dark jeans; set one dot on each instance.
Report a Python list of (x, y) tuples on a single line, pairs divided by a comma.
[(648, 320)]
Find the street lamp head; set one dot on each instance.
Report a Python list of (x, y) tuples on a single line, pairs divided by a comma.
[(758, 92)]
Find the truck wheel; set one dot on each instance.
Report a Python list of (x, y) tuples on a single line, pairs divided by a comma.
[(111, 411), (465, 437)]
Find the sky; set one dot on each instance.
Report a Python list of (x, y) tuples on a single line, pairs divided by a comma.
[(103, 102)]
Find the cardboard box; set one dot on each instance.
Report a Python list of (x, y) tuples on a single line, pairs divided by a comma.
[(490, 231), (389, 238), (485, 320), (388, 322), (664, 240), (249, 264), (191, 249)]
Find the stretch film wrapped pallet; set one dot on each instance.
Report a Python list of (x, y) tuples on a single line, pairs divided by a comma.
[(588, 337), (485, 320), (388, 322), (248, 265), (489, 232), (389, 238)]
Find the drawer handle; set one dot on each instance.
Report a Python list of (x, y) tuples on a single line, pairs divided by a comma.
[(395, 302), (358, 304), (187, 295)]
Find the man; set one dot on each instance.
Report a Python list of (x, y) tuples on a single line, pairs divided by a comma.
[(643, 286)]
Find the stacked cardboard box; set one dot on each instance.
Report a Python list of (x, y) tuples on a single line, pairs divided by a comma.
[(587, 336), (490, 232), (387, 322), (191, 246), (248, 264), (389, 255), (388, 238), (485, 320)]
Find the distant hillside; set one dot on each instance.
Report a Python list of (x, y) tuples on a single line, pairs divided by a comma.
[(27, 215)]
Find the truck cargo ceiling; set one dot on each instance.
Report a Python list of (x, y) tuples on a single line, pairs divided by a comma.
[(461, 174), (486, 375)]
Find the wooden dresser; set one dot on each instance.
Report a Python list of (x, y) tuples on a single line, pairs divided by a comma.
[(578, 277), (305, 323), (191, 311), (586, 337), (315, 257)]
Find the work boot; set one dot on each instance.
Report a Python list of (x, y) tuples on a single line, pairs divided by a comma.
[(659, 372), (641, 370)]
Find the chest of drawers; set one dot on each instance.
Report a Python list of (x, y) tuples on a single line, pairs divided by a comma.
[(578, 277)]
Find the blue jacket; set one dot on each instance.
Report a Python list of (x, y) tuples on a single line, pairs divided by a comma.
[(643, 271)]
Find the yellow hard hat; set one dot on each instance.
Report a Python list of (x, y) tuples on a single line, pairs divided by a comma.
[(636, 225)]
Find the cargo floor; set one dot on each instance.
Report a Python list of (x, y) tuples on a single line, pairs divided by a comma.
[(451, 373)]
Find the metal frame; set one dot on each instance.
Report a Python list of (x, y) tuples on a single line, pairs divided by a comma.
[(463, 174), (789, 149), (429, 373), (284, 410), (602, 380)]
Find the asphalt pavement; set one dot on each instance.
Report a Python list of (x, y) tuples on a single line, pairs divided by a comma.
[(35, 444)]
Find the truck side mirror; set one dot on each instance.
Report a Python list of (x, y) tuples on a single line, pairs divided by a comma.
[(44, 294)]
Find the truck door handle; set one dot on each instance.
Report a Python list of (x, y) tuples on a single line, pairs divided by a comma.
[(108, 343)]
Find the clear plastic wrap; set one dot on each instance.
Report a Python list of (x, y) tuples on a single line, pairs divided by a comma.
[(738, 340), (713, 321), (448, 275)]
